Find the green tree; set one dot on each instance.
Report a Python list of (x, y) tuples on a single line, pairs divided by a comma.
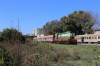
[(0, 33), (79, 22), (52, 27), (12, 36), (1, 38)]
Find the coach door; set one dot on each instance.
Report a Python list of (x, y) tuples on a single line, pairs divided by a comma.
[(98, 38), (82, 39)]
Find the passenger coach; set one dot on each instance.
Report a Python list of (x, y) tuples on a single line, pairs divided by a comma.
[(88, 38)]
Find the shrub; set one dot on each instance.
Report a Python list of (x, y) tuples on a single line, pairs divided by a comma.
[(12, 36), (1, 39), (5, 58)]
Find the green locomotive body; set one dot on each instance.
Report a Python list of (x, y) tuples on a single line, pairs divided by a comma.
[(65, 37)]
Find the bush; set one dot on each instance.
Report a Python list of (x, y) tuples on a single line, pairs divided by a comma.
[(1, 39), (12, 36), (5, 59)]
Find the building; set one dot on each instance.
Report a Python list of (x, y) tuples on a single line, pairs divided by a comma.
[(95, 31), (38, 32)]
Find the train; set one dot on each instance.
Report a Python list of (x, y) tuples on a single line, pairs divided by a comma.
[(69, 38), (65, 37)]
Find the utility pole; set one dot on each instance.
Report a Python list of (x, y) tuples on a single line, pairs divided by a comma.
[(18, 25), (12, 23)]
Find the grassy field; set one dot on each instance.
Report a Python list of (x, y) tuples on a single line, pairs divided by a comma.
[(89, 55), (47, 54)]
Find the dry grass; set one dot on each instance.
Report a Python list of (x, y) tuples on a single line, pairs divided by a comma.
[(45, 54)]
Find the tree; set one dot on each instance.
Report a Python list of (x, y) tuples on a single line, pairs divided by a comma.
[(86, 20), (79, 22), (0, 33), (52, 27), (12, 36), (1, 39), (46, 28), (97, 22)]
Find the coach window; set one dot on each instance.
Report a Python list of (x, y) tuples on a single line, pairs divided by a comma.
[(98, 37), (89, 37), (95, 37), (78, 37), (84, 37), (92, 37)]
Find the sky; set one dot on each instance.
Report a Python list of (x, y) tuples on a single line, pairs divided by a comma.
[(34, 14)]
